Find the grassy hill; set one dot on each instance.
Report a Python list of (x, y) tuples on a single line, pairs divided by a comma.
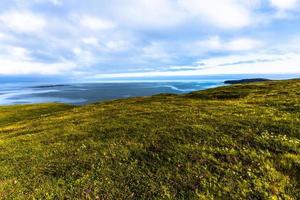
[(234, 142)]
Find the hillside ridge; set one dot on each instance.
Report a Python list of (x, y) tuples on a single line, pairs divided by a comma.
[(232, 142)]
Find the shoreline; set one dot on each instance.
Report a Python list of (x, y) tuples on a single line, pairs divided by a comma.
[(82, 100)]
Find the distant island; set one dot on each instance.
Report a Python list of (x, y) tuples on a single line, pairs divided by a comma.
[(253, 80), (49, 86)]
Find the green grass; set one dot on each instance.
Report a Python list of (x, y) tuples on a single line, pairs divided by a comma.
[(235, 142)]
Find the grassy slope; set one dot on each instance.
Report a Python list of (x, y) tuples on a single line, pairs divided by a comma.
[(236, 142)]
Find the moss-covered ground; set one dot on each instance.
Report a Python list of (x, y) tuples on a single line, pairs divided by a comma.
[(233, 142)]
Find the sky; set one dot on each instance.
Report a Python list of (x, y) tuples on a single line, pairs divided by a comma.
[(115, 39)]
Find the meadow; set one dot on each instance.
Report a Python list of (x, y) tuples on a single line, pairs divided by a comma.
[(232, 142)]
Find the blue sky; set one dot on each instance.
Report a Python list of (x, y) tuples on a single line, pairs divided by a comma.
[(117, 39)]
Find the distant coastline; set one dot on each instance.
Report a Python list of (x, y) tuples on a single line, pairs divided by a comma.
[(253, 80), (50, 86)]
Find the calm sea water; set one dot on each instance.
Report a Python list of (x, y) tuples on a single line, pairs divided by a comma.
[(85, 93)]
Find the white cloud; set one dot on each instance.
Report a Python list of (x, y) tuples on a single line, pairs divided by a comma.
[(215, 43), (16, 60), (18, 53), (252, 4), (235, 64), (155, 51), (57, 2), (2, 35), (14, 67), (90, 41), (284, 4), (54, 2), (84, 57), (143, 34), (253, 64), (117, 45), (107, 44), (221, 13), (148, 14), (242, 44), (96, 23), (23, 21), (5, 37)]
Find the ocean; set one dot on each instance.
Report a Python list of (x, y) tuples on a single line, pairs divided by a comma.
[(85, 93)]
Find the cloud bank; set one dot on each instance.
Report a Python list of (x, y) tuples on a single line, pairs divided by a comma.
[(142, 38)]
